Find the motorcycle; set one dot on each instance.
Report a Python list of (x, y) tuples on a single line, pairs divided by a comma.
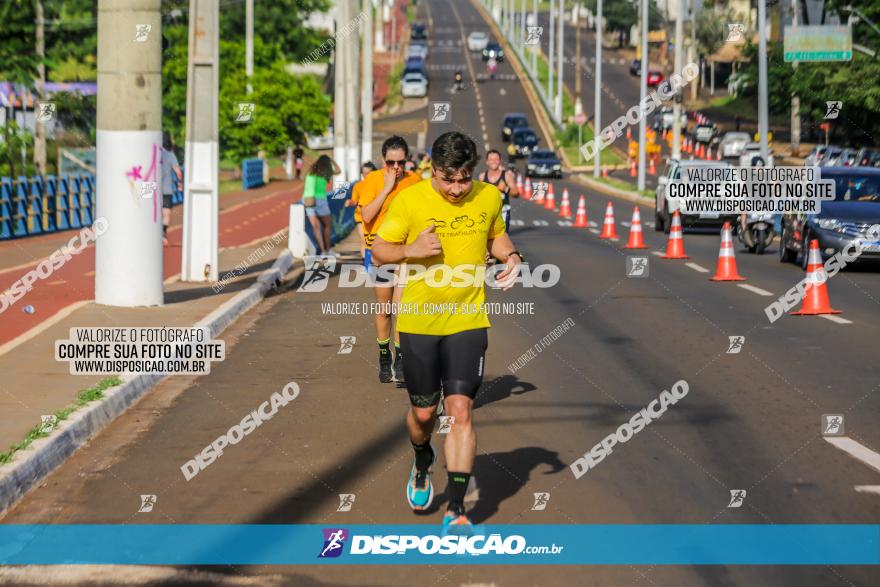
[(757, 232)]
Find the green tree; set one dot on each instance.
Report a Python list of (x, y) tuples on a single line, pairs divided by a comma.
[(621, 15)]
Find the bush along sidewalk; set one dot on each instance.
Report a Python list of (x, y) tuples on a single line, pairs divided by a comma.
[(44, 429)]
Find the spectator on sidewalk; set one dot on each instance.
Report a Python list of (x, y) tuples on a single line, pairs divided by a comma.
[(171, 176), (355, 198), (315, 200), (298, 154)]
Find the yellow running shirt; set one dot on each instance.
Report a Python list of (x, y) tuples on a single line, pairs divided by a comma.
[(464, 228)]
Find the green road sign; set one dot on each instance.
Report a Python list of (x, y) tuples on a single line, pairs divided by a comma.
[(818, 43)]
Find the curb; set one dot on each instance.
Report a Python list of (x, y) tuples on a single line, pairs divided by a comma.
[(611, 191), (45, 454)]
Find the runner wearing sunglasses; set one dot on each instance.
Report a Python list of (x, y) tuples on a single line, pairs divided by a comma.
[(379, 189)]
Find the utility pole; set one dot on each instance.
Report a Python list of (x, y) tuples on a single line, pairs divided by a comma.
[(128, 256), (352, 119), (339, 57), (676, 101), (550, 54), (692, 51), (535, 50), (795, 99), (578, 107), (249, 43), (40, 135), (202, 155), (367, 85), (643, 92), (762, 80), (597, 105), (561, 60)]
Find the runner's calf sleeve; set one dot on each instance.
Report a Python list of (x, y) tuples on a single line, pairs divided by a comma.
[(458, 483), (424, 454)]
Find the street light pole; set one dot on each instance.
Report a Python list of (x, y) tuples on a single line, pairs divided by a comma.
[(795, 99), (561, 62), (762, 79), (676, 104), (643, 92), (550, 54), (249, 43), (367, 85), (597, 114)]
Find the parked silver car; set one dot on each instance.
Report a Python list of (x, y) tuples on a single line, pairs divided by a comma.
[(734, 143), (414, 85), (752, 154)]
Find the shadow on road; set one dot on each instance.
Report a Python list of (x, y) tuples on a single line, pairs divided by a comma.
[(502, 475), (501, 388)]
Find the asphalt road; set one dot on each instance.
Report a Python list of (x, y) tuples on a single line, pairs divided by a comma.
[(750, 420)]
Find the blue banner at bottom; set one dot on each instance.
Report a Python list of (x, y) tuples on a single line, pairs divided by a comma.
[(170, 544)]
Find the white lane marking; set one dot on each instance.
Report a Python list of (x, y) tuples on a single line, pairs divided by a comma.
[(696, 267), (45, 324), (540, 223), (563, 222), (516, 222), (625, 223), (649, 224), (837, 319), (658, 253), (502, 91), (591, 224), (856, 450), (594, 230), (753, 289), (487, 147), (867, 489), (614, 240), (486, 137)]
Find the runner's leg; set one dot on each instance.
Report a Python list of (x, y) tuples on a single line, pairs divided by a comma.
[(383, 329)]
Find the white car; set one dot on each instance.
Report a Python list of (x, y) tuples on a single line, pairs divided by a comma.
[(414, 85), (751, 151), (477, 41), (664, 208), (417, 50), (320, 142), (734, 143)]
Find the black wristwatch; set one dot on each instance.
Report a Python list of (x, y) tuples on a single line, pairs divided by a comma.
[(518, 254)]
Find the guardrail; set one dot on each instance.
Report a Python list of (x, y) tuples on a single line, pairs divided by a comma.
[(42, 205)]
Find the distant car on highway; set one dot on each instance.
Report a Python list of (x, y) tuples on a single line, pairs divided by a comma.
[(663, 208), (512, 122), (752, 154), (494, 51), (418, 31), (734, 143), (543, 163), (477, 41), (666, 118), (704, 133), (414, 65), (655, 78), (524, 141), (868, 158), (635, 67), (321, 142), (417, 49), (847, 158), (855, 208), (414, 85)]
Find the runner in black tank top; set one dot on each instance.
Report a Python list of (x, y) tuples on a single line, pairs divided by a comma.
[(504, 182)]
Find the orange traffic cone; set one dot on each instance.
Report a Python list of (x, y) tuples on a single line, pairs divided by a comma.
[(652, 169), (629, 134), (709, 153), (726, 259), (527, 194), (580, 219), (816, 294), (609, 230), (687, 145), (675, 246), (632, 168), (604, 171), (635, 232), (718, 154), (550, 200), (565, 206), (519, 183)]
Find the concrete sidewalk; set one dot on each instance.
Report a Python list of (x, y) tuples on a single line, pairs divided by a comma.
[(253, 232)]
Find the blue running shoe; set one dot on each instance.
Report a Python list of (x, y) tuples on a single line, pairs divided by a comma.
[(454, 519), (419, 489)]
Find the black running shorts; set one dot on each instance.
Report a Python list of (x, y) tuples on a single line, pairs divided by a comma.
[(454, 361)]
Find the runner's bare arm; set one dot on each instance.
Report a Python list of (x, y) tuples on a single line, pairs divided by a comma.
[(371, 210), (510, 180)]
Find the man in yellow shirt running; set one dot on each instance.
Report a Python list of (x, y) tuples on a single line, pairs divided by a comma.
[(445, 224), (377, 190)]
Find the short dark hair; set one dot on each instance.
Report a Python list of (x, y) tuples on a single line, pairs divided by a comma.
[(454, 151), (369, 165), (395, 142), (493, 152)]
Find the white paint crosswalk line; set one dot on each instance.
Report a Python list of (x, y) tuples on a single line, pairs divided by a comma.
[(755, 290), (657, 253), (836, 319), (594, 230), (625, 223), (856, 450), (591, 224), (875, 489), (696, 267)]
